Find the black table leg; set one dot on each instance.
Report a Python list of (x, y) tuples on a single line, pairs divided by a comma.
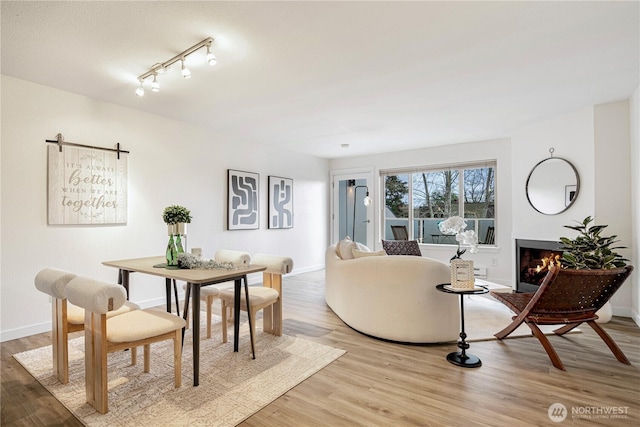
[(123, 279), (237, 288), (462, 358), (186, 310), (167, 290), (175, 292), (246, 296), (196, 332)]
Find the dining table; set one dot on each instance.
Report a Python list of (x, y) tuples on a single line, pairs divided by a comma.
[(196, 279)]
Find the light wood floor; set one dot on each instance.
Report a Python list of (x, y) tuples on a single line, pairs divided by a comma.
[(384, 384)]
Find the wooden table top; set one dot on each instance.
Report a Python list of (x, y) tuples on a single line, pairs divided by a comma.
[(198, 276)]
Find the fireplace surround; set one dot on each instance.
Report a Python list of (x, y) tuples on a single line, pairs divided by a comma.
[(533, 259)]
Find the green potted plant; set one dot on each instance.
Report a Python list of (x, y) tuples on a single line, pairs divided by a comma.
[(590, 250), (175, 217)]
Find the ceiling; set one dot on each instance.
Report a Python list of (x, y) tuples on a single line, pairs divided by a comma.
[(312, 76)]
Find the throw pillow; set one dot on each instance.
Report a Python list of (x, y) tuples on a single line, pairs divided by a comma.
[(401, 247), (345, 248), (362, 254)]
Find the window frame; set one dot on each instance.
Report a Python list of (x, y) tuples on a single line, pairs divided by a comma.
[(411, 217)]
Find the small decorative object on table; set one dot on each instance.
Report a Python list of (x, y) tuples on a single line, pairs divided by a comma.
[(176, 217), (461, 270), (462, 274)]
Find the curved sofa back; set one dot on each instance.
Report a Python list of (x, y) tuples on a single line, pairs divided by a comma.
[(393, 297)]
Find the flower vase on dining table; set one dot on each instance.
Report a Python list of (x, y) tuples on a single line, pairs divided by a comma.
[(172, 253), (180, 230)]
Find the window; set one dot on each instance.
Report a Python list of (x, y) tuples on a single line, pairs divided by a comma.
[(422, 198)]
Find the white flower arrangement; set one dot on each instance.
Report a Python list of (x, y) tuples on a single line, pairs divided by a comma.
[(456, 225), (190, 261)]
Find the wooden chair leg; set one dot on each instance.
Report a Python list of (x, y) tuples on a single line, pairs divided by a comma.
[(147, 358), (224, 321), (566, 328), (59, 339), (617, 352), (177, 359), (96, 361), (134, 356), (253, 327), (551, 352), (277, 317), (209, 303), (517, 321)]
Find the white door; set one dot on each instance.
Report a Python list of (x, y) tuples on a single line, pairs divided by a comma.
[(353, 207)]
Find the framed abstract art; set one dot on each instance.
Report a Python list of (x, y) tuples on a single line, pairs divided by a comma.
[(242, 204), (280, 202)]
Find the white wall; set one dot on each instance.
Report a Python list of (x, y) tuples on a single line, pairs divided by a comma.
[(634, 119), (613, 184), (171, 162), (498, 261)]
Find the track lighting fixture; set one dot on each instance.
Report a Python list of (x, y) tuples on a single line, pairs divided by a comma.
[(160, 67)]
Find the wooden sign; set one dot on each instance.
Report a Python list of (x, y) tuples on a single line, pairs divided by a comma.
[(86, 186)]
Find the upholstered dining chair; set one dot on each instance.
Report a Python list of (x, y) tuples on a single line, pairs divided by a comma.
[(66, 318), (267, 297), (103, 335), (210, 293), (566, 297)]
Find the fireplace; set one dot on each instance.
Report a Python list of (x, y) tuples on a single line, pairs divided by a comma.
[(533, 259)]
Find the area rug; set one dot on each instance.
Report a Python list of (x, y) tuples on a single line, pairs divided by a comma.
[(232, 385), (484, 316)]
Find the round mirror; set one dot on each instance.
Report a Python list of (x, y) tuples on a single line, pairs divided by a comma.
[(552, 186)]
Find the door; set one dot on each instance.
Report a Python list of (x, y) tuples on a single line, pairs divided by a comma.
[(353, 207)]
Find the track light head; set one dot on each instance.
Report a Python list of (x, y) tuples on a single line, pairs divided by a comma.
[(185, 71), (211, 58), (155, 86), (140, 90)]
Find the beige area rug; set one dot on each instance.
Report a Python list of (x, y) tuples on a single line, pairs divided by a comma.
[(232, 385), (484, 316)]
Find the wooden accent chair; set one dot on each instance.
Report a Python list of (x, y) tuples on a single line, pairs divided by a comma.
[(267, 297), (104, 335), (66, 318), (566, 297), (210, 293), (400, 232)]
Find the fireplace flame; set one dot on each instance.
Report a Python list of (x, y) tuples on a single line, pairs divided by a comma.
[(547, 262)]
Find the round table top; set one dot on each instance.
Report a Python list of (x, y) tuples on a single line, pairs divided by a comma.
[(475, 291)]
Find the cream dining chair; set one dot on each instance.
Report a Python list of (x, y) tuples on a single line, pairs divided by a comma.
[(210, 293), (267, 297), (66, 318), (103, 335)]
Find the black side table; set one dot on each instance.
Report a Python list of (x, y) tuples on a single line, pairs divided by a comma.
[(462, 358)]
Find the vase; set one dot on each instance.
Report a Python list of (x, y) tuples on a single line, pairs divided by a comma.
[(172, 253), (179, 247)]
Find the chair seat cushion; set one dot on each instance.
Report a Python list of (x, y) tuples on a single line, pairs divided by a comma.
[(258, 295), (212, 290), (75, 314), (140, 324)]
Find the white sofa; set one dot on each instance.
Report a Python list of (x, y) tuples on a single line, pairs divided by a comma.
[(393, 297)]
